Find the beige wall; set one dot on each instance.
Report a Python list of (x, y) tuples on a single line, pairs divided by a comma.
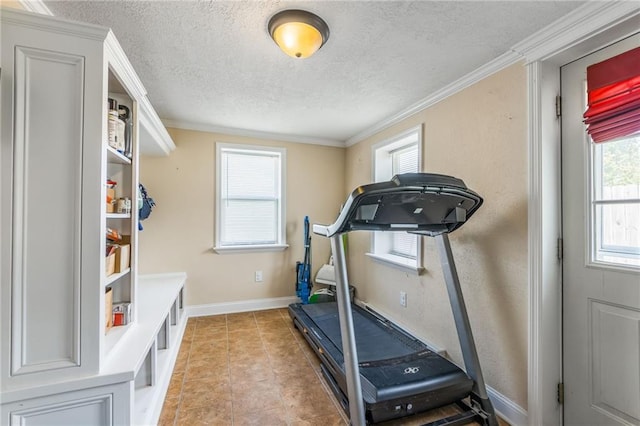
[(179, 235), (12, 4), (478, 135)]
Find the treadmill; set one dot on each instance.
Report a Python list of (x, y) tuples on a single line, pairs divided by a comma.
[(376, 370)]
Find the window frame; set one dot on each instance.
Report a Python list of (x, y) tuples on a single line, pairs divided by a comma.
[(281, 243), (382, 151), (595, 246)]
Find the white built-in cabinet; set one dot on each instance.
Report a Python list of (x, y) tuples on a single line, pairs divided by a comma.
[(59, 363)]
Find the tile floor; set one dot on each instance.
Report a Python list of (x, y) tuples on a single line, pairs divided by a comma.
[(252, 368)]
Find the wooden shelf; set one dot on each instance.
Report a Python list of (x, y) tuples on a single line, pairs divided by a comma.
[(118, 215), (115, 157), (113, 277)]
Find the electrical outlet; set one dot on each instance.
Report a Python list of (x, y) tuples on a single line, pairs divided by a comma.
[(403, 298), (258, 276)]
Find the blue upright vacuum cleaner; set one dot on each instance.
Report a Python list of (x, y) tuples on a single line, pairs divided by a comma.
[(303, 269)]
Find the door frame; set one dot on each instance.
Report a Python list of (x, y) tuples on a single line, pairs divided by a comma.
[(597, 26)]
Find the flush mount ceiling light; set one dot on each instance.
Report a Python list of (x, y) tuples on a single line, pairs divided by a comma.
[(298, 33)]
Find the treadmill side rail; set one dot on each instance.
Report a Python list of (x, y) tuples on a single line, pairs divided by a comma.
[(463, 326), (352, 372)]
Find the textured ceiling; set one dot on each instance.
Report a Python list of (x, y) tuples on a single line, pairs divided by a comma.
[(212, 63)]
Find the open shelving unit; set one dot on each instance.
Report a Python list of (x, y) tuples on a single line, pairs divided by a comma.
[(66, 366), (123, 170)]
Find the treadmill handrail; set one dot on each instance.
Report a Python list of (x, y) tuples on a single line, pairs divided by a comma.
[(321, 230)]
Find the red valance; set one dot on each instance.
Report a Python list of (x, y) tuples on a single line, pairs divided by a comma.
[(613, 88)]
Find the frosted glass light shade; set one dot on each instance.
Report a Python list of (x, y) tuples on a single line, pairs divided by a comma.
[(298, 33), (298, 39)]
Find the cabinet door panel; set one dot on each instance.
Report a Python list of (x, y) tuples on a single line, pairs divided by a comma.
[(89, 411), (47, 209), (97, 405)]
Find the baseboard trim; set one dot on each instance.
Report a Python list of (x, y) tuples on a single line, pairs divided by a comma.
[(240, 306), (506, 409)]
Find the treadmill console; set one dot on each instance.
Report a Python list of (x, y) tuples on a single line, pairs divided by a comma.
[(421, 203)]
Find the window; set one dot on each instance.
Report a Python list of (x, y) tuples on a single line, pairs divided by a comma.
[(398, 155), (250, 198), (613, 123), (615, 205)]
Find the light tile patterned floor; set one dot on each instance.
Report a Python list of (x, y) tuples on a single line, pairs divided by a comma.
[(252, 368)]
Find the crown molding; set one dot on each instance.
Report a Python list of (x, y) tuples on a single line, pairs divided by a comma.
[(160, 138), (256, 134), (117, 58), (584, 22), (36, 6), (163, 145), (501, 62), (53, 24), (123, 69), (592, 18)]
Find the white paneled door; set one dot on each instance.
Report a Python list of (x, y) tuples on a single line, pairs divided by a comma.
[(601, 268)]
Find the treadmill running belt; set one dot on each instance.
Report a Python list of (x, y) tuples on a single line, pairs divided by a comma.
[(374, 339), (396, 369)]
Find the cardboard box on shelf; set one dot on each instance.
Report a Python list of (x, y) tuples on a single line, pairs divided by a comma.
[(123, 253), (111, 198), (108, 309), (110, 264), (119, 249)]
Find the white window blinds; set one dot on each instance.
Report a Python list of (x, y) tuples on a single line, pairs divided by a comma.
[(250, 197), (404, 160), (397, 155)]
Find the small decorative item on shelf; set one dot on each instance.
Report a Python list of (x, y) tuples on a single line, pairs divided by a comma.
[(113, 123), (113, 235), (125, 116), (121, 313), (124, 205)]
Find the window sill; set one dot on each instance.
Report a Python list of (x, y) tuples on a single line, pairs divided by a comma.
[(611, 265), (398, 262), (250, 249)]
